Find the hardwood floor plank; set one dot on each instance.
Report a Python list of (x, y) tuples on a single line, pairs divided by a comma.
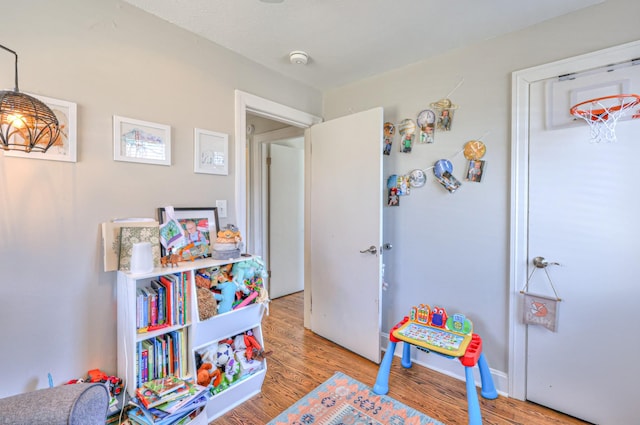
[(301, 360)]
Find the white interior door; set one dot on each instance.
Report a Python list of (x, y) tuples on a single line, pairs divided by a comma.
[(346, 218), (286, 219), (583, 214)]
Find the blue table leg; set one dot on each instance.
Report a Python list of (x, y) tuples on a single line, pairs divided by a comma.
[(488, 389), (382, 381), (473, 405), (406, 355)]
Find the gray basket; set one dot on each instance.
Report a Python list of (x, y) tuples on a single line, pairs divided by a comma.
[(225, 255)]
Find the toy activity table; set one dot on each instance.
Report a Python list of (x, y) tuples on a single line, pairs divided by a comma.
[(452, 337)]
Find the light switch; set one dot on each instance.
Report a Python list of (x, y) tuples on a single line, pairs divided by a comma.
[(222, 208)]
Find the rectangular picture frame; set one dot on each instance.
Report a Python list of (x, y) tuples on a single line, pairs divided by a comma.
[(65, 148), (196, 214), (211, 152), (141, 141)]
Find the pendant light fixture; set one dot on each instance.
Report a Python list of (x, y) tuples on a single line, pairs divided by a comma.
[(26, 123)]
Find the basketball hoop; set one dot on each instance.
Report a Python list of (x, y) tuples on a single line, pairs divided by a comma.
[(602, 114)]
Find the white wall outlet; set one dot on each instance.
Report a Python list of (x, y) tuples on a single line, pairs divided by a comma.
[(222, 209)]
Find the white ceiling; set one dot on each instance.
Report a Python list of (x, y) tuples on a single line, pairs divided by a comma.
[(348, 40)]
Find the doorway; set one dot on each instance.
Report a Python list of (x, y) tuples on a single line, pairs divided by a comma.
[(328, 174), (276, 193), (567, 201), (246, 103)]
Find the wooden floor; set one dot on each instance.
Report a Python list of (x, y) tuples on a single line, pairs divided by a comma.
[(301, 360)]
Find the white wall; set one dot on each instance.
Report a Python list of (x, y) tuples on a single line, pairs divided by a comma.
[(57, 307), (453, 249)]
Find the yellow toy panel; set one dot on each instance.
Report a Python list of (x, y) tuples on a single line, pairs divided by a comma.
[(434, 339)]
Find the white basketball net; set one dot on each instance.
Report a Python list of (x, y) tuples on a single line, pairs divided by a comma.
[(603, 114)]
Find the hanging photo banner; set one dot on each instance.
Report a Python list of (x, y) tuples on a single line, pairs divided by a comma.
[(444, 110), (407, 130), (442, 170), (426, 122), (389, 132), (540, 310)]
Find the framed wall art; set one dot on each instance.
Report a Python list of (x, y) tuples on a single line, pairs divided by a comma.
[(189, 231), (65, 147), (211, 152), (141, 141)]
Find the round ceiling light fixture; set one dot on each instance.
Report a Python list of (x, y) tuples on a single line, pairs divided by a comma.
[(299, 57)]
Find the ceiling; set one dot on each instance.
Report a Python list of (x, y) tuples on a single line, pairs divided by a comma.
[(348, 40)]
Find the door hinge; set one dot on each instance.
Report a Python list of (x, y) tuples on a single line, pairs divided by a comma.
[(268, 160)]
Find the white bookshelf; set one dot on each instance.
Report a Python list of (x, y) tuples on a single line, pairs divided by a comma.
[(198, 333)]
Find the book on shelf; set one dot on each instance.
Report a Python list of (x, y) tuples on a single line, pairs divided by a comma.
[(151, 308), (166, 385), (162, 307), (149, 399), (193, 398), (149, 346), (189, 405), (138, 416)]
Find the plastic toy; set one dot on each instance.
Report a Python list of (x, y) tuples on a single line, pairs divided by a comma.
[(247, 300), (438, 317), (96, 375), (430, 330), (170, 259)]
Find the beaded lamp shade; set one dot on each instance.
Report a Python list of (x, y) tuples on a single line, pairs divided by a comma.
[(26, 124)]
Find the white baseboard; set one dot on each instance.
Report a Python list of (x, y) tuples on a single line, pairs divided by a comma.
[(450, 368)]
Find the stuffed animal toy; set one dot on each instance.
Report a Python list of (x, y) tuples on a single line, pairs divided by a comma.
[(226, 360), (226, 297), (221, 274), (209, 375), (203, 279), (207, 304), (252, 345), (242, 271)]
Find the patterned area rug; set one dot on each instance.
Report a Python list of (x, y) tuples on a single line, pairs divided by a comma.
[(343, 400)]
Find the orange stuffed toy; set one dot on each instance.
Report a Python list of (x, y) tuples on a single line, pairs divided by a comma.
[(208, 374), (252, 344)]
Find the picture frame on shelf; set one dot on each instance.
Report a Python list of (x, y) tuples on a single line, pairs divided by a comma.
[(211, 152), (65, 147), (141, 141), (197, 225)]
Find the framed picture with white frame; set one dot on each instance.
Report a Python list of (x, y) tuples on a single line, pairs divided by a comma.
[(211, 152), (141, 141), (65, 147)]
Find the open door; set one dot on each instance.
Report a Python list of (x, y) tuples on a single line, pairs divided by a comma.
[(345, 229)]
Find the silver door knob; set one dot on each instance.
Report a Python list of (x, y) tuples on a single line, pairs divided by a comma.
[(372, 250), (541, 263)]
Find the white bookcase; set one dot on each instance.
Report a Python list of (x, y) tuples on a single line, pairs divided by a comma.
[(196, 333)]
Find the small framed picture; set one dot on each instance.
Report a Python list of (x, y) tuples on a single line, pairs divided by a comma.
[(189, 231), (475, 170), (65, 147), (211, 152), (141, 141)]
